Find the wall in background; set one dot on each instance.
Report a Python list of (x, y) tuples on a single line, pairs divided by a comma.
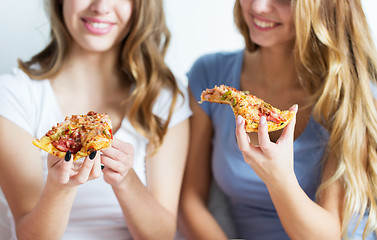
[(197, 27), (24, 31)]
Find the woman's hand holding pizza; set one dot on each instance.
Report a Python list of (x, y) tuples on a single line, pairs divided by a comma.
[(117, 161), (273, 162), (73, 173), (76, 137)]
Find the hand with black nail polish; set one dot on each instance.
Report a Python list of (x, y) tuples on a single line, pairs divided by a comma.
[(74, 173)]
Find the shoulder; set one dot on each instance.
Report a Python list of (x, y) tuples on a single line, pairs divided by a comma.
[(15, 77), (213, 69), (18, 81), (18, 86), (163, 102), (216, 61), (15, 84), (21, 98)]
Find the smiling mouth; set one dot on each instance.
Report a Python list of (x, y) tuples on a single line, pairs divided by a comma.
[(264, 24), (99, 25)]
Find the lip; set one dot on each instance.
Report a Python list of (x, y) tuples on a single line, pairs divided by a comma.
[(106, 25), (275, 24)]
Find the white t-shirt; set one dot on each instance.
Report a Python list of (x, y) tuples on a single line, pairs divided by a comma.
[(96, 214)]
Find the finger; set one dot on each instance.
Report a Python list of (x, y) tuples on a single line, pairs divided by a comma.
[(289, 130), (110, 176), (113, 153), (112, 164), (96, 169), (52, 160), (241, 135), (65, 168), (263, 137), (83, 173), (122, 146)]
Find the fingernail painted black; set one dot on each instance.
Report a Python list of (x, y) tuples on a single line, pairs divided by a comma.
[(92, 155), (102, 167), (68, 156)]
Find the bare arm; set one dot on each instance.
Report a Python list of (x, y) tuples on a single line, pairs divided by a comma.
[(196, 222), (300, 216), (304, 219), (151, 212), (40, 211)]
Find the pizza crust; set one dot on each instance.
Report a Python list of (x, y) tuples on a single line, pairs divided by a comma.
[(45, 144)]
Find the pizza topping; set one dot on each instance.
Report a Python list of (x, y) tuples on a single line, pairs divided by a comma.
[(266, 105), (66, 143), (70, 129), (107, 133), (223, 97), (66, 139), (270, 114)]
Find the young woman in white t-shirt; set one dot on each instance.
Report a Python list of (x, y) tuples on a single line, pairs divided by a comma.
[(106, 56)]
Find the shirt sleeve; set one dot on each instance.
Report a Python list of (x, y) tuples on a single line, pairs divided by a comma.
[(182, 109), (199, 79), (15, 99)]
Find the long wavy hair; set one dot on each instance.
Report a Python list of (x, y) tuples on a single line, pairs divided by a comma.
[(141, 59), (336, 62)]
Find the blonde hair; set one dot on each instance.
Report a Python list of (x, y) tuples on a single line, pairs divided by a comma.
[(336, 62), (141, 59)]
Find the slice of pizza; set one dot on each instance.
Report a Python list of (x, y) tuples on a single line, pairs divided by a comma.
[(80, 134), (249, 107)]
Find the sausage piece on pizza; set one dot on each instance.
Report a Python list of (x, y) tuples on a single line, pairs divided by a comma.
[(250, 107), (80, 134)]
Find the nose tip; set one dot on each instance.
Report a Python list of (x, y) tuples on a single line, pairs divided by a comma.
[(262, 5), (100, 7)]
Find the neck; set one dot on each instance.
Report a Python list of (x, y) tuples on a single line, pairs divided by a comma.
[(98, 70), (97, 73), (273, 67)]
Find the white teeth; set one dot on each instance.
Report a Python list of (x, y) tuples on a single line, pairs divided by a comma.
[(99, 25), (263, 24)]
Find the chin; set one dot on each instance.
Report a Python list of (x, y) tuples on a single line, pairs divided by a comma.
[(261, 42), (267, 42), (96, 48)]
